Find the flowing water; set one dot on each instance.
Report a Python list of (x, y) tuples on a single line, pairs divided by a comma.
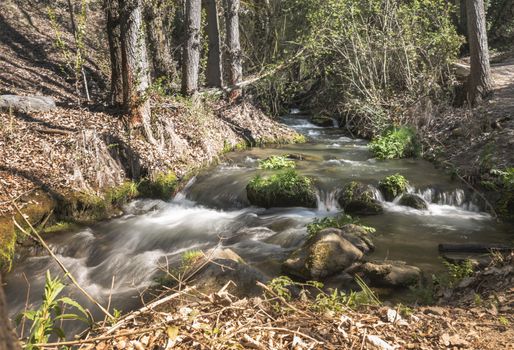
[(155, 233)]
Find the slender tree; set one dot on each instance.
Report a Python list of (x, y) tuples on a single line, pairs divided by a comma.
[(191, 52), (235, 71), (214, 67), (114, 39), (8, 339), (480, 81), (161, 58), (136, 78)]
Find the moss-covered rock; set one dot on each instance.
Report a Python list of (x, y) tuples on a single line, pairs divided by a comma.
[(355, 234), (322, 120), (285, 189), (413, 201), (358, 198), (321, 256), (392, 186), (160, 186)]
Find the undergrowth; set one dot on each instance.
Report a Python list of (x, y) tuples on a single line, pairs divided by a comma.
[(395, 143)]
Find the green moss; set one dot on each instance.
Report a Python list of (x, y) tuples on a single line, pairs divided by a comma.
[(123, 193), (7, 245), (334, 222), (162, 186), (276, 163), (393, 185), (60, 226), (284, 189), (299, 138), (395, 143)]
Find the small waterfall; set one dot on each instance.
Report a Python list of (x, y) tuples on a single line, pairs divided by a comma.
[(456, 198), (180, 196), (377, 195), (327, 200), (294, 111)]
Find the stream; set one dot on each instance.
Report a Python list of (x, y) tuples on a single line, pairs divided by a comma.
[(153, 233)]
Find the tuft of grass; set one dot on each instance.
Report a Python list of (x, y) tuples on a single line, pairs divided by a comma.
[(339, 221), (276, 163), (395, 143), (123, 193), (59, 226)]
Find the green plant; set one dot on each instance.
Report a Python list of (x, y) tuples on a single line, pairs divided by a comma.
[(52, 310), (339, 221), (276, 163), (123, 193), (395, 143), (393, 185), (282, 189), (279, 286), (454, 273), (504, 321)]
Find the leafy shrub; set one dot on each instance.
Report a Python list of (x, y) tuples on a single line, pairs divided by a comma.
[(287, 188), (455, 273), (395, 143), (47, 319), (393, 185), (276, 163), (334, 222)]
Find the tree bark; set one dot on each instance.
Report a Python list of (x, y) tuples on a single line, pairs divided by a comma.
[(114, 39), (8, 339), (136, 79), (160, 52), (235, 73), (214, 67), (191, 53), (480, 81)]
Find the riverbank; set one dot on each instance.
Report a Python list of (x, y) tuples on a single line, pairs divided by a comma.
[(475, 144), (80, 165)]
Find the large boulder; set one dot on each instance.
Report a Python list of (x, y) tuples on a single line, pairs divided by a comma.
[(285, 189), (26, 103), (359, 199), (219, 266), (354, 234), (413, 201), (390, 274), (321, 256)]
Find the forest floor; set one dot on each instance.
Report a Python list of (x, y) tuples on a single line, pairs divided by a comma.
[(477, 140)]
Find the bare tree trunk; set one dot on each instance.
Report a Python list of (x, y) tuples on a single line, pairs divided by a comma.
[(214, 68), (8, 339), (191, 53), (114, 38), (235, 72), (480, 81), (136, 79), (160, 52)]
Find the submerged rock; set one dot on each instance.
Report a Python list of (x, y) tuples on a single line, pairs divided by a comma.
[(286, 189), (390, 274), (358, 198), (413, 201), (321, 256), (26, 103)]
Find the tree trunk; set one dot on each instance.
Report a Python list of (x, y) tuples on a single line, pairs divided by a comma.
[(191, 53), (480, 81), (114, 38), (235, 73), (214, 68), (160, 52), (136, 79), (8, 339)]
